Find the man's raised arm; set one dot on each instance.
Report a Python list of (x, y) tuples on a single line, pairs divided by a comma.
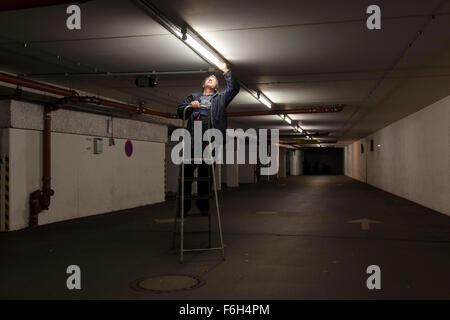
[(232, 86)]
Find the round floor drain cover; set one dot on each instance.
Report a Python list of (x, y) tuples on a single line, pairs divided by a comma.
[(167, 283)]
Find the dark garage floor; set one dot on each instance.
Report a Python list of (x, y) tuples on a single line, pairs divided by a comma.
[(304, 251)]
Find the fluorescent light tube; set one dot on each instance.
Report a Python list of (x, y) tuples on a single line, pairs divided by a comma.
[(288, 120), (203, 51), (265, 101)]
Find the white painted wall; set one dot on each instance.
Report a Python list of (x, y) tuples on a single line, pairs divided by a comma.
[(413, 160), (85, 183), (4, 151)]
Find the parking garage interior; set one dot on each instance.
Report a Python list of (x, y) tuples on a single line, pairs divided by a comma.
[(89, 103)]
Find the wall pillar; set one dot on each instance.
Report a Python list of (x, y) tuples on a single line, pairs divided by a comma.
[(282, 163), (296, 162)]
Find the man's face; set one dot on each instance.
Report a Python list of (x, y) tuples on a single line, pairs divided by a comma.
[(211, 82)]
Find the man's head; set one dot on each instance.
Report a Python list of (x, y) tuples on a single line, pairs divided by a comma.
[(211, 83)]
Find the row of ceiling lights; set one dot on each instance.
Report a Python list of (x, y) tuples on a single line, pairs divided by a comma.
[(286, 118), (193, 40)]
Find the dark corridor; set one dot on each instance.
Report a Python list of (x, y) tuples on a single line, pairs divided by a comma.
[(323, 161)]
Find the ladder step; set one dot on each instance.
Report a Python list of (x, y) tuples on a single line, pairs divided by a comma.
[(202, 249), (196, 179), (195, 197), (193, 215), (191, 232)]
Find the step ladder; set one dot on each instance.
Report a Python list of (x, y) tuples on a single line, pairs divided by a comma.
[(182, 197)]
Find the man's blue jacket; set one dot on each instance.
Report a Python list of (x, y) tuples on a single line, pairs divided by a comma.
[(219, 103)]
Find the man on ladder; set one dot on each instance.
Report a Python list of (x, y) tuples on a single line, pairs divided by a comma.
[(209, 107)]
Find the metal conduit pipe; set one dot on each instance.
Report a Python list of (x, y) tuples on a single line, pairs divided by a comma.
[(115, 74)]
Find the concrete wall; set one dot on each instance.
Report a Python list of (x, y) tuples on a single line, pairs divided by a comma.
[(85, 183), (411, 157)]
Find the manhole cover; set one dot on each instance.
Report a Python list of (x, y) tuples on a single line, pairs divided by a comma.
[(167, 283)]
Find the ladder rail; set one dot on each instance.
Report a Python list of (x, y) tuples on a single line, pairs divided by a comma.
[(182, 249)]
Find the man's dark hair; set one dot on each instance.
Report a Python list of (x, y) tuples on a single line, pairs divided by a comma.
[(217, 82)]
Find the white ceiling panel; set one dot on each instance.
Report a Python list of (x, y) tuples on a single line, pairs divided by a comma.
[(315, 93), (161, 53), (316, 48), (99, 19), (207, 15), (432, 48)]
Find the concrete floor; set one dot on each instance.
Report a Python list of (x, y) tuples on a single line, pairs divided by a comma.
[(305, 251)]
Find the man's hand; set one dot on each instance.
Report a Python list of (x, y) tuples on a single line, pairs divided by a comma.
[(223, 67), (195, 104)]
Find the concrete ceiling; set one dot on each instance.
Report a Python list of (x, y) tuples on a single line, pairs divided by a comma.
[(299, 53)]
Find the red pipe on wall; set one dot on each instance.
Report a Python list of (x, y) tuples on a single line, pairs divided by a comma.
[(292, 111), (122, 106), (72, 95), (36, 85), (40, 199)]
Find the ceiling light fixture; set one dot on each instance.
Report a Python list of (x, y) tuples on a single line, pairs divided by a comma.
[(287, 119), (204, 52), (195, 41), (265, 101)]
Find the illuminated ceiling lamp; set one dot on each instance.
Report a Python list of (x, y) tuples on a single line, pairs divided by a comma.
[(194, 41), (287, 119), (203, 51), (298, 128), (261, 98)]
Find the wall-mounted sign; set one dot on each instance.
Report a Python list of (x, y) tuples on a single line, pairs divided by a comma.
[(128, 148)]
